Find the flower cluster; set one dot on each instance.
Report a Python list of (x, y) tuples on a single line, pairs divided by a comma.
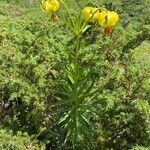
[(106, 19)]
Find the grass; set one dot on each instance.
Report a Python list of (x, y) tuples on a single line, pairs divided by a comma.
[(142, 53)]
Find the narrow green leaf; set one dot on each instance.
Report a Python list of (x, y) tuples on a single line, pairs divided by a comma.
[(85, 120), (72, 66), (87, 92), (85, 28), (65, 117), (71, 79), (61, 103), (67, 53)]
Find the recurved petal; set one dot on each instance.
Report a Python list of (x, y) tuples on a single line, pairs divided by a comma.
[(102, 18), (112, 19), (87, 13)]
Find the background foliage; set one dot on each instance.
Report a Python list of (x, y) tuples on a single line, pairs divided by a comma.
[(31, 70), (20, 141)]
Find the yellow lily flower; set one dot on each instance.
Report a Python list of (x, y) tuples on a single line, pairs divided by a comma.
[(49, 5), (108, 18), (90, 13)]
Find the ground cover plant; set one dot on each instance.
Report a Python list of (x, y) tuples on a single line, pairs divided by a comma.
[(74, 75)]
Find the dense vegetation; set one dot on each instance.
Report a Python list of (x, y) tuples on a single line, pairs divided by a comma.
[(37, 105)]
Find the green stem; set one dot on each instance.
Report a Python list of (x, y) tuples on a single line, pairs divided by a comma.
[(76, 55), (76, 63), (68, 11)]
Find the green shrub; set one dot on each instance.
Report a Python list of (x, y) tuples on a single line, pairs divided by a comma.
[(29, 62), (20, 141), (140, 148)]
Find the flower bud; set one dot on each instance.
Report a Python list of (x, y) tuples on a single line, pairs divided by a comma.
[(108, 31)]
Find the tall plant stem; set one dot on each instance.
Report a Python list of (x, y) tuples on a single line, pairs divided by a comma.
[(77, 47), (76, 98), (76, 64)]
